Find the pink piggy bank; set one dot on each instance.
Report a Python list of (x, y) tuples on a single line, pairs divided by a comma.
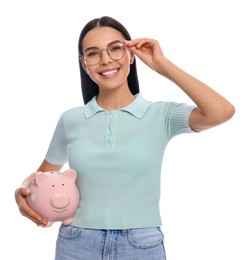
[(55, 195)]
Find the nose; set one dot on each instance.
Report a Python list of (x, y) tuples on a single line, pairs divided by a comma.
[(60, 201), (104, 58)]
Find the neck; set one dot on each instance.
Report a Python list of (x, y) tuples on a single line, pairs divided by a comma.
[(113, 100)]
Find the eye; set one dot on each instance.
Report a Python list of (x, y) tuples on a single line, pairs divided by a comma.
[(92, 53), (116, 47)]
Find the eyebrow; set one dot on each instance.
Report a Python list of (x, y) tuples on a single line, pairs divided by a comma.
[(94, 47)]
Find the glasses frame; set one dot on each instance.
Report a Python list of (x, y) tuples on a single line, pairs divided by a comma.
[(107, 50)]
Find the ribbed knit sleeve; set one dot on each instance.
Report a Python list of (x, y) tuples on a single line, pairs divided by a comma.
[(57, 152), (176, 116)]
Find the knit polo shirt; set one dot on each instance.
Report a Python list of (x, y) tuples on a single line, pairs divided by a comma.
[(118, 157)]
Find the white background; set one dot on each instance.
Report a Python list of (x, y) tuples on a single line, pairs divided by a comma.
[(206, 179)]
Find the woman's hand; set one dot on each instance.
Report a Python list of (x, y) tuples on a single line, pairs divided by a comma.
[(148, 51), (20, 196)]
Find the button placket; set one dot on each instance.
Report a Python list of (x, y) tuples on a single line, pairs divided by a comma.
[(109, 139)]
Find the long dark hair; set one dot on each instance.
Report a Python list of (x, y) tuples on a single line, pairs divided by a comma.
[(88, 86)]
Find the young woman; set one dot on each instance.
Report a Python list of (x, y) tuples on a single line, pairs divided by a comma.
[(116, 142)]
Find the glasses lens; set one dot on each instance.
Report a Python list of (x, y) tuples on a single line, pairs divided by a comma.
[(116, 50), (92, 56)]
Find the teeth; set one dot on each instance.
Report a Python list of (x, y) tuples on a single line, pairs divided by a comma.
[(108, 73)]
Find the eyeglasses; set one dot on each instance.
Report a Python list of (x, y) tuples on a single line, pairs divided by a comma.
[(115, 50)]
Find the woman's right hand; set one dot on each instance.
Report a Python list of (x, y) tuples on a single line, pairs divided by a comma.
[(20, 196)]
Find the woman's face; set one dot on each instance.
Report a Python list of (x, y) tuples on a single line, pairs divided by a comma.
[(107, 73)]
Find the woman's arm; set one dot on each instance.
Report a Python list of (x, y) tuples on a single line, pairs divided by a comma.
[(212, 108)]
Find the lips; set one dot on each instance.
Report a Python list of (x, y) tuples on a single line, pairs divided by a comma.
[(110, 72)]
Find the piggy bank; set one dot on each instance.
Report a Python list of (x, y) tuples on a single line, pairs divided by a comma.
[(54, 195)]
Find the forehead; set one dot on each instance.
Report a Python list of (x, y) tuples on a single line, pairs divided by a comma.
[(100, 37)]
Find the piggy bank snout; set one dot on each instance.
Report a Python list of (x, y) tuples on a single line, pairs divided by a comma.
[(60, 201)]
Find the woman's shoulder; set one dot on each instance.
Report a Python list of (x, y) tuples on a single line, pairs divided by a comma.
[(160, 104), (72, 112), (166, 108)]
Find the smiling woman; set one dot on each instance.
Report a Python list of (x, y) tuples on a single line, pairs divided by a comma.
[(116, 143), (108, 76)]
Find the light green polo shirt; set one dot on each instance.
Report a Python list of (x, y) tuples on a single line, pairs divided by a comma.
[(118, 156)]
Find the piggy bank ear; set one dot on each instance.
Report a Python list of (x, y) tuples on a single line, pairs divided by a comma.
[(40, 177), (71, 174)]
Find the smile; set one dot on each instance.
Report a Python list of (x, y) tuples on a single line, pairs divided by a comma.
[(109, 73)]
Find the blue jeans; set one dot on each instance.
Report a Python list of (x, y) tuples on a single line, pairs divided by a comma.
[(74, 243)]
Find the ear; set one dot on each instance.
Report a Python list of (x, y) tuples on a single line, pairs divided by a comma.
[(41, 177), (83, 64), (132, 57)]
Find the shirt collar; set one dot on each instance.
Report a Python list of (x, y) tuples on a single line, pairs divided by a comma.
[(137, 107)]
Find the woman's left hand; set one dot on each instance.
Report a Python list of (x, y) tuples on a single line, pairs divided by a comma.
[(147, 50)]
